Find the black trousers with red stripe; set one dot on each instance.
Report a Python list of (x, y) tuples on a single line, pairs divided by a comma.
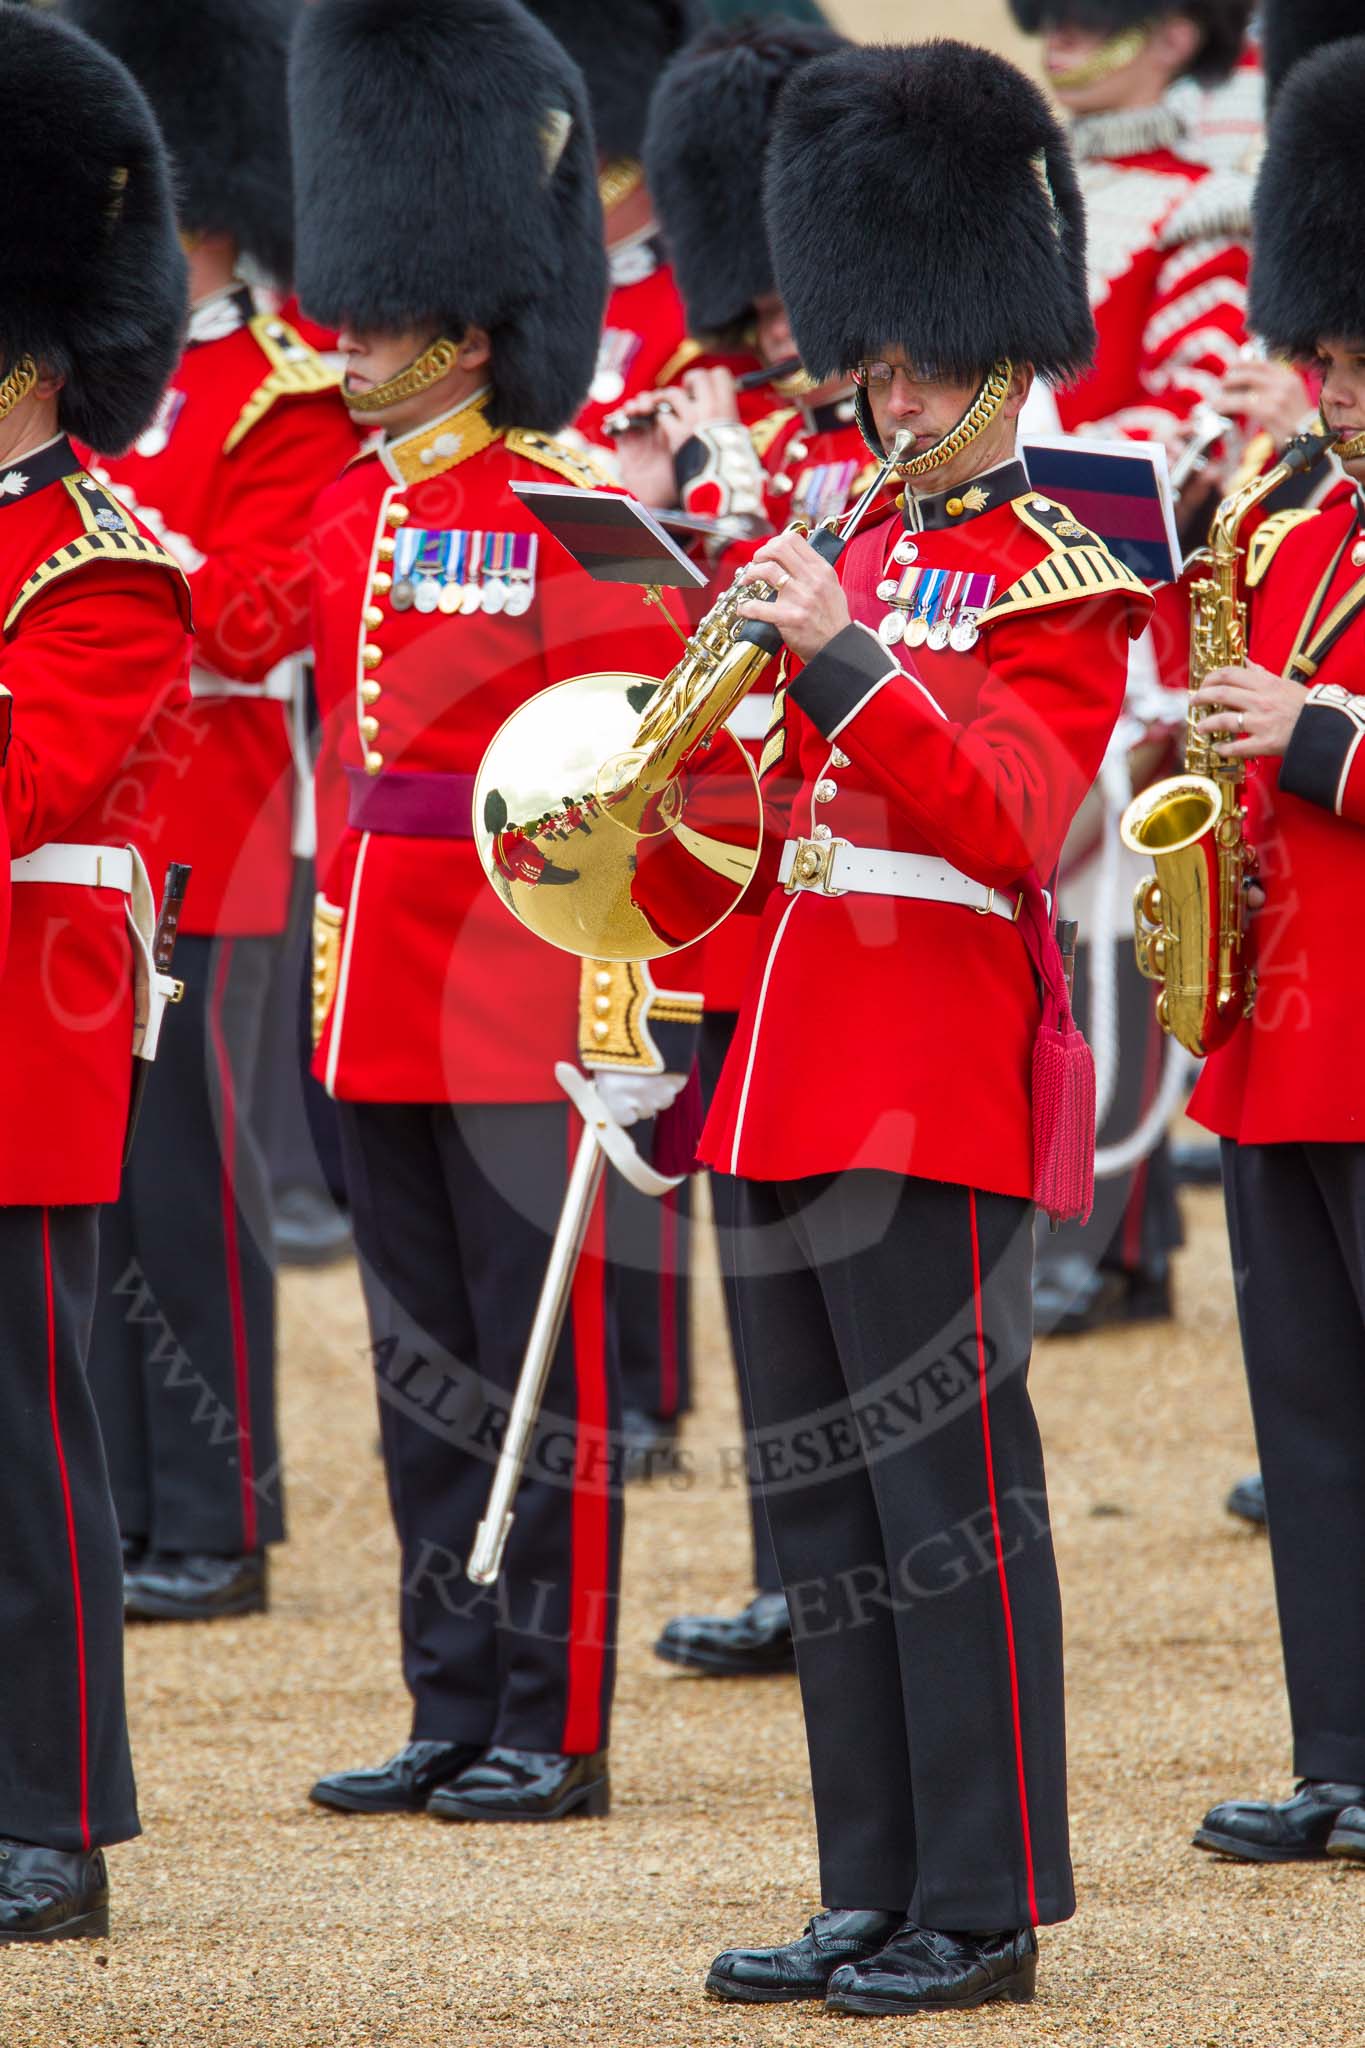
[(717, 1036), (182, 1361), (66, 1776), (454, 1209), (649, 1245), (886, 1325), (1296, 1218)]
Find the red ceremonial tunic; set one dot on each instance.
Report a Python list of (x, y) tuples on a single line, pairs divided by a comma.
[(815, 466), (1293, 1072), (441, 995), (250, 430), (879, 1031), (94, 646), (644, 331)]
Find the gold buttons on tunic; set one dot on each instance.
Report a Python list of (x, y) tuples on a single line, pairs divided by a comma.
[(386, 550), (369, 692), (839, 759), (381, 583), (373, 618), (369, 728), (397, 515), (954, 508), (373, 762), (826, 791), (371, 656)]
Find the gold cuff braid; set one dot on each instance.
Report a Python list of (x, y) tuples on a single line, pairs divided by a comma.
[(433, 364), (983, 409), (17, 385)]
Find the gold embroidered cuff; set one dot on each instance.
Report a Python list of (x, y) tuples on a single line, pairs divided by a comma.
[(327, 923)]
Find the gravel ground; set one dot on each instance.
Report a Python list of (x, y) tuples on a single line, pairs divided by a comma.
[(244, 1916)]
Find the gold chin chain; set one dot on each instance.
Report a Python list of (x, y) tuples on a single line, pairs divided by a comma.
[(1112, 56), (433, 364), (17, 385), (1350, 451), (618, 179), (983, 409)]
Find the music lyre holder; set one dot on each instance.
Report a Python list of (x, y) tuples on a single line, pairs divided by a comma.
[(615, 539)]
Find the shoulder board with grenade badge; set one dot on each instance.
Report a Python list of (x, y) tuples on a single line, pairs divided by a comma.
[(573, 464), (1079, 568), (765, 431), (1265, 542), (296, 371), (109, 535)]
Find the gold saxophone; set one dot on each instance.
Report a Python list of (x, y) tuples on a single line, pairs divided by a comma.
[(1190, 916)]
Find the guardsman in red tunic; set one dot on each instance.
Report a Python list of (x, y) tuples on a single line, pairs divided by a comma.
[(621, 46), (1286, 1095), (93, 617), (1168, 264), (708, 128), (441, 606), (959, 678), (248, 433)]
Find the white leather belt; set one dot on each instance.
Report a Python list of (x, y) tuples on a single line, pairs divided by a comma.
[(278, 687), (835, 867), (82, 867), (752, 716)]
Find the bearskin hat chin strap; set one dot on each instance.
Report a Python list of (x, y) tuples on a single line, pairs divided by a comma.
[(17, 385), (1352, 450), (1115, 54), (428, 369), (985, 407)]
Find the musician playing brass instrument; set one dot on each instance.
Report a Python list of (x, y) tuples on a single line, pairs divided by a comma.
[(1286, 1093), (884, 1107)]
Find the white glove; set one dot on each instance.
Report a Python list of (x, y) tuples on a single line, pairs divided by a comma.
[(628, 1098)]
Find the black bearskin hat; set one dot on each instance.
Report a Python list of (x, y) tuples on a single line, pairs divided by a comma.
[(214, 71), (621, 46), (926, 196), (1291, 29), (1224, 23), (708, 129), (1306, 281), (446, 175), (92, 279)]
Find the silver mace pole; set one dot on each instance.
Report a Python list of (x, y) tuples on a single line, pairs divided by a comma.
[(485, 1559), (602, 1139)]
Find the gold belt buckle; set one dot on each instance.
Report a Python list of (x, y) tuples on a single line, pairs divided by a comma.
[(813, 865)]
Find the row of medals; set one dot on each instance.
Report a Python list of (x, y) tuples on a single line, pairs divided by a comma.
[(427, 594), (959, 631)]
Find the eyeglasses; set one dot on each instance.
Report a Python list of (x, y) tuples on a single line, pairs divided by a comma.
[(881, 376)]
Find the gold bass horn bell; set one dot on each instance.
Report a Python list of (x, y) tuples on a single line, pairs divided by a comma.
[(615, 815)]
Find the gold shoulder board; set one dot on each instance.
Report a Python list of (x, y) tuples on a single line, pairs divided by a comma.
[(681, 359), (765, 431), (1265, 542), (296, 371), (574, 464), (109, 535), (1079, 568)]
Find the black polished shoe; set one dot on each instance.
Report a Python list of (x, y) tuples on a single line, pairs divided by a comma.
[(309, 1229), (1071, 1298), (1285, 1831), (801, 1968), (403, 1785), (746, 1645), (1348, 1836), (1247, 1500), (923, 1970), (526, 1784), (52, 1894), (189, 1586)]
